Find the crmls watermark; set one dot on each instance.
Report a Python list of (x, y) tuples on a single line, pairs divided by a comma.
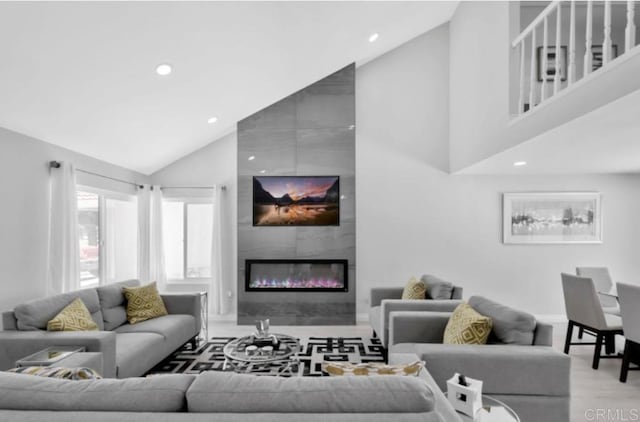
[(611, 415)]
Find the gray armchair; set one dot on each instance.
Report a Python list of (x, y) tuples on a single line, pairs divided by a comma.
[(526, 373), (629, 299), (385, 300), (584, 311)]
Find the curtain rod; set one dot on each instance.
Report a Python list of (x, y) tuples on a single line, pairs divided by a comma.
[(56, 165), (222, 187)]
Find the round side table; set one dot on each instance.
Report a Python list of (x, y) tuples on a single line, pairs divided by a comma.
[(493, 410)]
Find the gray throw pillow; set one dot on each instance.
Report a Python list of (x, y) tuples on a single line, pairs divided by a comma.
[(510, 326), (437, 288)]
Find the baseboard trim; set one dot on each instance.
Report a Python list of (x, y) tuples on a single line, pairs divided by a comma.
[(551, 318)]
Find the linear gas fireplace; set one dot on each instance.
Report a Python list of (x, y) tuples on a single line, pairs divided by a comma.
[(297, 275)]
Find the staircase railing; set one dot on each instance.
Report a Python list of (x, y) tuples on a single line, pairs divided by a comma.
[(550, 65)]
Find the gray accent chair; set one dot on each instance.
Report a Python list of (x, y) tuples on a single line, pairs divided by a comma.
[(518, 367), (385, 300), (584, 311), (127, 350), (629, 300)]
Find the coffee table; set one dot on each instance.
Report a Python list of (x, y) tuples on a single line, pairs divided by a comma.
[(493, 410), (281, 359), (64, 356)]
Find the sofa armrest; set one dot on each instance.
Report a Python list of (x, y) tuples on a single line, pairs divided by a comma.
[(543, 335), (186, 304), (15, 345), (504, 369), (417, 327), (392, 305), (378, 294), (456, 293)]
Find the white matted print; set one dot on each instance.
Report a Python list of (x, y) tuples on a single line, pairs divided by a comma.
[(562, 217)]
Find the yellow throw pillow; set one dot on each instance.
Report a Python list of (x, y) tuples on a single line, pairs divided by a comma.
[(74, 317), (415, 289), (143, 303), (336, 369), (466, 326)]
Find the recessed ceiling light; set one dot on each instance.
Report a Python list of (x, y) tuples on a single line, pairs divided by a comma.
[(519, 163), (373, 37), (163, 69), (263, 171), (342, 196), (212, 120), (251, 157)]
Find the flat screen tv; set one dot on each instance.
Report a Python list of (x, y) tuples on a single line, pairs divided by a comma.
[(296, 201)]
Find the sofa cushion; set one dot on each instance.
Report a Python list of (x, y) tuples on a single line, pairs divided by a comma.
[(114, 304), (510, 326), (136, 353), (35, 314), (239, 393), (466, 326), (437, 288), (415, 289), (164, 393), (74, 317), (143, 303), (168, 326)]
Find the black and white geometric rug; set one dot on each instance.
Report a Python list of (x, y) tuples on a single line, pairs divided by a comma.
[(210, 357)]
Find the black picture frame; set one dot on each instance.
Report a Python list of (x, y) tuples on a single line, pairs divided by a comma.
[(329, 218), (597, 56), (551, 67)]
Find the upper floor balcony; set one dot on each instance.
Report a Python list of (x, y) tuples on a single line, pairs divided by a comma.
[(571, 96)]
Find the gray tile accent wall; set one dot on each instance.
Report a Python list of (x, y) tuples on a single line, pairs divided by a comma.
[(309, 133)]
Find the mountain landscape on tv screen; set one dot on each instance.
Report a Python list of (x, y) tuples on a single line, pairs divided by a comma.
[(296, 201)]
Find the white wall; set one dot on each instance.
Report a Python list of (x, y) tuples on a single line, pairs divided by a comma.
[(24, 182), (479, 79), (216, 163), (414, 218)]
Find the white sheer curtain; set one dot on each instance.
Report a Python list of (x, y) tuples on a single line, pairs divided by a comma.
[(216, 289), (151, 265), (63, 249)]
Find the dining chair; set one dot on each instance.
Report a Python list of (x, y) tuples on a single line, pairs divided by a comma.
[(584, 311), (603, 282), (629, 296)]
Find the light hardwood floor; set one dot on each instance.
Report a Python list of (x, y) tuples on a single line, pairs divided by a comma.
[(591, 391)]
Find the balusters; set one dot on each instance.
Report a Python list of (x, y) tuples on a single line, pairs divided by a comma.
[(572, 43), (588, 59), (607, 44), (558, 62), (543, 68), (630, 31), (521, 96), (532, 71)]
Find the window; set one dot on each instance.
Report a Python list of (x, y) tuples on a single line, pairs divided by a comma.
[(108, 237), (187, 229)]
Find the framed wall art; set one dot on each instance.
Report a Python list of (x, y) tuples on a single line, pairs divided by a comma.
[(550, 72), (552, 217), (296, 201)]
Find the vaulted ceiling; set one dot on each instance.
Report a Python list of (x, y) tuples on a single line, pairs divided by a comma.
[(81, 75)]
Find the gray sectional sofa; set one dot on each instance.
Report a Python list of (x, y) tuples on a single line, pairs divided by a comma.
[(222, 396), (127, 350), (518, 366), (385, 300)]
